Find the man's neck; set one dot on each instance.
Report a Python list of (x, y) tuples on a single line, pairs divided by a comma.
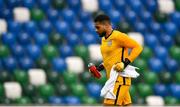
[(108, 32)]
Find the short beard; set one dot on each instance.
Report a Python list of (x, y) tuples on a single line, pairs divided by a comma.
[(102, 34)]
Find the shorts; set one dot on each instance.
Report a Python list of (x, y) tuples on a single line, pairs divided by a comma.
[(122, 95)]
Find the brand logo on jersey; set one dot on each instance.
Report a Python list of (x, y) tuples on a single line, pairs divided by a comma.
[(109, 43)]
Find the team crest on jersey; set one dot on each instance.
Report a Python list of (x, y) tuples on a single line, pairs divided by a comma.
[(109, 43)]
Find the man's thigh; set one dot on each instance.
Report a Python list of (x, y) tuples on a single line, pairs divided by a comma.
[(122, 96)]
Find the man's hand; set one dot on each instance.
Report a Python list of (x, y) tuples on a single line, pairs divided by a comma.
[(119, 66), (93, 70)]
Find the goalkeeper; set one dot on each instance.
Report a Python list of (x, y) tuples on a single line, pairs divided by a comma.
[(114, 50)]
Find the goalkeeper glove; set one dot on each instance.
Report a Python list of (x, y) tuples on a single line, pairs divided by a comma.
[(95, 71), (119, 66)]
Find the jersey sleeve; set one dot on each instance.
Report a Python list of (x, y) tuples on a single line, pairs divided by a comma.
[(124, 40)]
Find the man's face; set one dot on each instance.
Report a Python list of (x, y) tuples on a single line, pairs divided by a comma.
[(100, 29)]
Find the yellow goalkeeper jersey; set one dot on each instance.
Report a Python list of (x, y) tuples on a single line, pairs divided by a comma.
[(115, 49)]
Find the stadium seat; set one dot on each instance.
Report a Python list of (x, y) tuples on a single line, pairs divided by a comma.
[(26, 63), (146, 17), (29, 90), (59, 64), (46, 90), (59, 4), (50, 51), (115, 16), (94, 52), (120, 5), (169, 100), (21, 77), (165, 77), (136, 5), (33, 51), (175, 52), (70, 77), (46, 27), (84, 16), (131, 17), (37, 77), (85, 77), (21, 14), (172, 65), (23, 38), (155, 101), (75, 64), (170, 29), (177, 77), (77, 28), (68, 16), (144, 90), (3, 25), (62, 89), (161, 53), (8, 38), (74, 5), (123, 27), (150, 77), (30, 27), (166, 6), (7, 14), (160, 90), (177, 39), (12, 90), (62, 27), (160, 17), (66, 51), (133, 90), (55, 100), (88, 100), (175, 90), (155, 28), (175, 16), (104, 4), (23, 101), (93, 90), (5, 76), (37, 14), (151, 41), (18, 50), (140, 27), (4, 51), (90, 5), (39, 100), (10, 63), (151, 5), (44, 4), (72, 100), (82, 51), (14, 27), (41, 39), (52, 15), (28, 3), (138, 37), (56, 39), (156, 65), (73, 39), (52, 76), (146, 53), (141, 64), (166, 40), (78, 90), (43, 63), (1, 91)]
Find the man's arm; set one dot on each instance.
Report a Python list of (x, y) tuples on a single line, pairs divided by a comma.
[(127, 42)]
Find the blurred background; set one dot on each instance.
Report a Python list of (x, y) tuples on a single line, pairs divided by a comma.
[(45, 46)]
